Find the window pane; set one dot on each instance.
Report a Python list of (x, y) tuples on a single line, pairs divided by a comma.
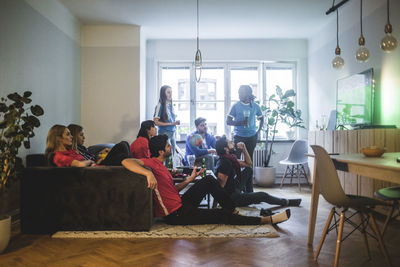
[(243, 76), (211, 85), (215, 117), (284, 78)]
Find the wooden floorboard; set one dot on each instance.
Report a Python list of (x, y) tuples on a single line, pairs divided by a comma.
[(290, 249)]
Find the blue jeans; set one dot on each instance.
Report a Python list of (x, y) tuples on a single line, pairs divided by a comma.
[(171, 137)]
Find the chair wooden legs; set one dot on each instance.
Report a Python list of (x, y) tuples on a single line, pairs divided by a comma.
[(284, 175), (339, 239), (389, 217), (379, 237), (364, 234), (321, 242)]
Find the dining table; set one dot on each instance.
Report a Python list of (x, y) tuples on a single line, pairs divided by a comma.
[(385, 168)]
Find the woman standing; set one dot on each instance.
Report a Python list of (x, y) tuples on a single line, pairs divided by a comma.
[(140, 147), (164, 116)]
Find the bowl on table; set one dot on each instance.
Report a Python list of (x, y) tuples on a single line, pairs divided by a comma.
[(373, 151)]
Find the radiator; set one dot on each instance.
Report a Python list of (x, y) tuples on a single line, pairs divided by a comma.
[(258, 159)]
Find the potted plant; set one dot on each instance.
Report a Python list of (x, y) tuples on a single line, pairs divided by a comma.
[(17, 123), (279, 107)]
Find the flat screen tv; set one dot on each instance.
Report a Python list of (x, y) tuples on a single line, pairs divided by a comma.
[(354, 102)]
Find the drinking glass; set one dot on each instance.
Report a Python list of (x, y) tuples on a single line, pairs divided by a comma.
[(191, 159), (246, 114)]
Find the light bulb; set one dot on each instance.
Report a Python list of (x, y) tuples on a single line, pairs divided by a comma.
[(362, 54), (388, 43), (338, 62)]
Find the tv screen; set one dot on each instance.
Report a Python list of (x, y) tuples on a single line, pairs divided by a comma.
[(354, 100)]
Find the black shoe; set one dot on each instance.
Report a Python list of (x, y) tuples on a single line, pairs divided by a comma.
[(294, 202), (266, 212)]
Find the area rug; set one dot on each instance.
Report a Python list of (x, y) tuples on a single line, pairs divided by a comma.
[(162, 230)]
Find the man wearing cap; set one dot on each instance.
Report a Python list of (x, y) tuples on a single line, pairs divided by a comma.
[(243, 116), (207, 146)]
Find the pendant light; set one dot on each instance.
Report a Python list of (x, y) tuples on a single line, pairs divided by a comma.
[(362, 54), (198, 60), (388, 43), (338, 61)]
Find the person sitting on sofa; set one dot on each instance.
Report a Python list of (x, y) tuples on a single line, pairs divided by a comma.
[(197, 147), (232, 178), (184, 210), (140, 147), (59, 150), (78, 139)]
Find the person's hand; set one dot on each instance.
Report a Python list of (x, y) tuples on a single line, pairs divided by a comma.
[(151, 181), (212, 151), (196, 172), (91, 163), (178, 122), (241, 145)]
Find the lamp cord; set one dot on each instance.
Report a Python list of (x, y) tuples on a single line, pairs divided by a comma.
[(361, 17), (337, 28), (197, 24), (388, 21)]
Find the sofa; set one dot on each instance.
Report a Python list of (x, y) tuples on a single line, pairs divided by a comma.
[(90, 198)]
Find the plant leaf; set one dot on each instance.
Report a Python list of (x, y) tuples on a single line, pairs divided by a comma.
[(37, 110)]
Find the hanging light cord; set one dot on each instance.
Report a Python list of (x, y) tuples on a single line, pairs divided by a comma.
[(197, 24), (361, 17), (337, 28), (388, 21)]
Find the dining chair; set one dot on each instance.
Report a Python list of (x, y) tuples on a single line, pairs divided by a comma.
[(296, 160), (332, 191), (390, 194)]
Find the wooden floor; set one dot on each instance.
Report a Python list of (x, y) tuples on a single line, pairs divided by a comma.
[(290, 249)]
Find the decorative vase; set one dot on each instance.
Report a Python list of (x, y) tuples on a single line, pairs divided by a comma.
[(264, 176), (5, 231)]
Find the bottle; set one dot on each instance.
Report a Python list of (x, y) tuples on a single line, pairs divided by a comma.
[(204, 166), (169, 164)]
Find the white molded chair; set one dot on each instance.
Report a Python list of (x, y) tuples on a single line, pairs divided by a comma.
[(332, 191), (296, 160)]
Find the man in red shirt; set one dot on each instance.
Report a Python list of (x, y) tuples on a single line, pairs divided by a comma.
[(184, 210)]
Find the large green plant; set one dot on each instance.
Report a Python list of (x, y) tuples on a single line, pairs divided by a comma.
[(279, 107), (17, 123)]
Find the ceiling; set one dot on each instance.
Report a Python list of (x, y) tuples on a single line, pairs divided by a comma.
[(219, 19)]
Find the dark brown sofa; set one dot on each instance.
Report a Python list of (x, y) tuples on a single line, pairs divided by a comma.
[(91, 198)]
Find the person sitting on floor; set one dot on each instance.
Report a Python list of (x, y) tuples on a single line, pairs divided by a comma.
[(59, 150), (232, 178), (184, 210), (140, 147)]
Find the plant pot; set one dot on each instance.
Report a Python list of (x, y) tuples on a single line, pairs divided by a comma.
[(290, 134), (264, 176), (5, 231)]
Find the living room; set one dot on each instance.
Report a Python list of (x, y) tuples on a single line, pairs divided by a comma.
[(105, 75)]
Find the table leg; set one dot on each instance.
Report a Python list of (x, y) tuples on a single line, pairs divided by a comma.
[(314, 205)]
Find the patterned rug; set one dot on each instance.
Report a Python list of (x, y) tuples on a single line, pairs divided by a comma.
[(162, 230)]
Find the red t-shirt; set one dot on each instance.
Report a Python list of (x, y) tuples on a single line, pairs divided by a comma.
[(140, 148), (65, 158), (166, 196)]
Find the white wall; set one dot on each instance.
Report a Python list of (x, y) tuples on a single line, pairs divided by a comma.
[(227, 50), (110, 82), (39, 55), (322, 77)]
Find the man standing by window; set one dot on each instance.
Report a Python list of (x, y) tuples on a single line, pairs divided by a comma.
[(243, 117)]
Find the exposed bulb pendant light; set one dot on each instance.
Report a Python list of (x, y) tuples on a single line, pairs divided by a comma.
[(198, 60), (338, 61), (388, 43), (362, 54)]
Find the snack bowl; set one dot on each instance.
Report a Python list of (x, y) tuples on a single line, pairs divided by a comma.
[(373, 151)]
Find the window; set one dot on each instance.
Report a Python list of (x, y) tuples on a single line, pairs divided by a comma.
[(217, 90)]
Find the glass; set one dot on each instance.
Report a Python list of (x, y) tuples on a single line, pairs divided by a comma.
[(191, 159), (246, 115)]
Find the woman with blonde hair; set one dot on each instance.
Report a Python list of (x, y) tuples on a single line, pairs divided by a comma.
[(59, 149)]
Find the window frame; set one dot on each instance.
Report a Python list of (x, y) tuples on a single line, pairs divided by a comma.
[(228, 66)]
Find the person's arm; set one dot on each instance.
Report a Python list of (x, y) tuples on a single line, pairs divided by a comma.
[(260, 126), (136, 166), (83, 163), (196, 172), (161, 123), (222, 179), (198, 151), (247, 160), (231, 122)]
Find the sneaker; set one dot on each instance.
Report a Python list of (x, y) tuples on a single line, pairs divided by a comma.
[(294, 202)]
